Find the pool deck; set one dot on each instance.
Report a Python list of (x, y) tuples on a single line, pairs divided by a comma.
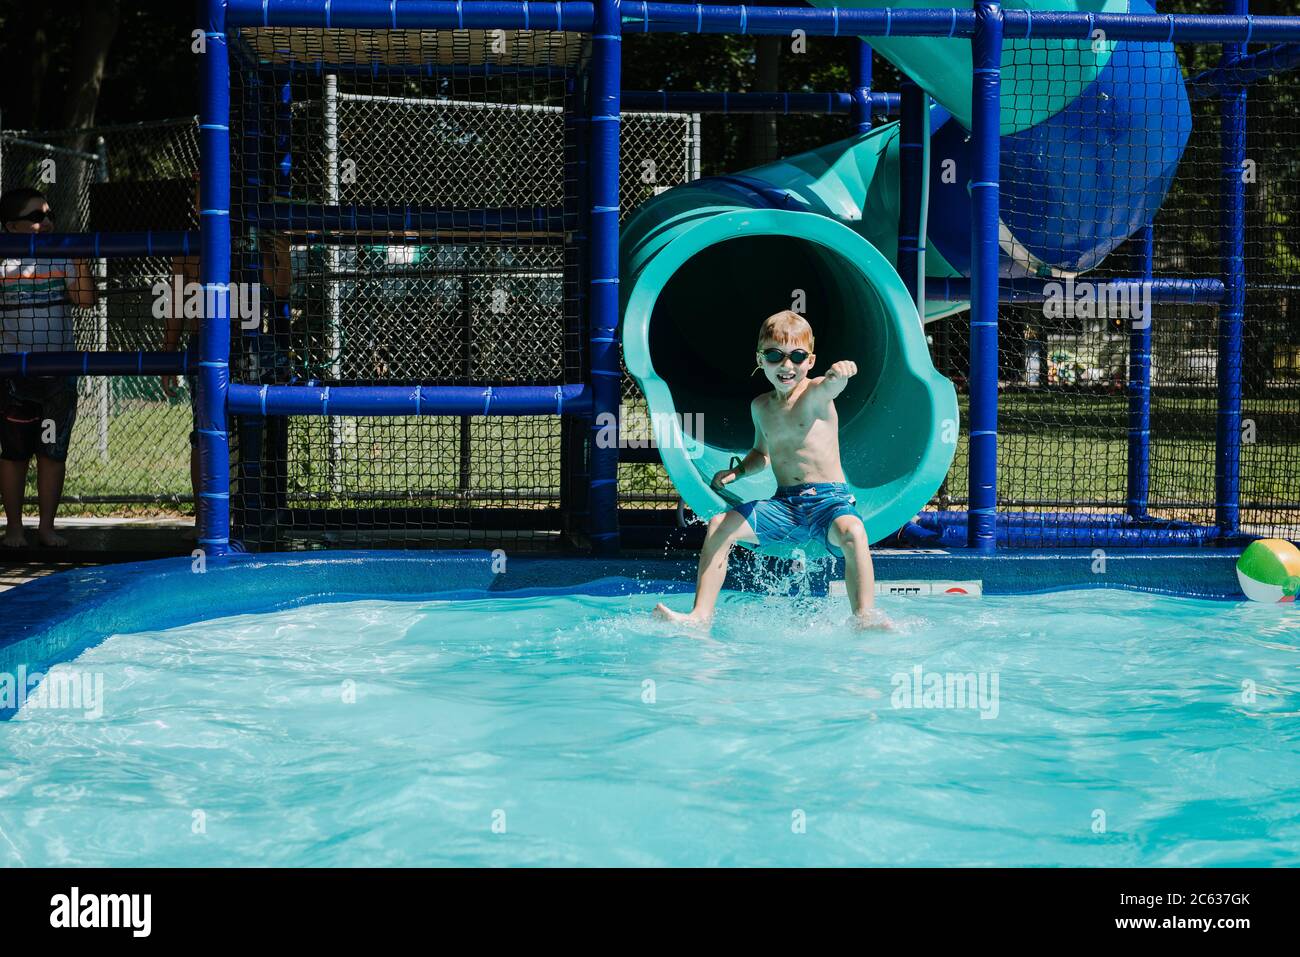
[(95, 541)]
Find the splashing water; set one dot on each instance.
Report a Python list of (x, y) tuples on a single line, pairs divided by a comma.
[(1086, 728)]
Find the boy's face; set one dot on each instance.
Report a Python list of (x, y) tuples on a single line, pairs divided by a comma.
[(785, 373), (34, 218)]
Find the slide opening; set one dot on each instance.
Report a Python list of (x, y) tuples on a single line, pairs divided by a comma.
[(705, 321)]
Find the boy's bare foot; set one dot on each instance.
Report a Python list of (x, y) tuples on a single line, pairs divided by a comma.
[(14, 538), (50, 538), (871, 619), (664, 613)]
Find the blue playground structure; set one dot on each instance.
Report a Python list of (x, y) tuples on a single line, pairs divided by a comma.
[(1051, 356)]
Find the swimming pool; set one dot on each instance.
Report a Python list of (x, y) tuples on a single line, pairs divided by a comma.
[(554, 724)]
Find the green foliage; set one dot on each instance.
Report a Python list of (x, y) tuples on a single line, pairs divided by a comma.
[(151, 72)]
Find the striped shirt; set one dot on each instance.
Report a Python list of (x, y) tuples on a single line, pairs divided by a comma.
[(34, 305)]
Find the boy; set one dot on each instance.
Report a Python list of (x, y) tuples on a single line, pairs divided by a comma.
[(38, 411), (796, 430)]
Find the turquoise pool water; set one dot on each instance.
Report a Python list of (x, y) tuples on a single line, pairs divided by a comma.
[(1093, 728)]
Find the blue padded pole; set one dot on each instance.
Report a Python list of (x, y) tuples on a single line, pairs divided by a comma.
[(214, 331), (1232, 241), (580, 222), (100, 245), (862, 79), (644, 17), (410, 400), (1154, 27), (606, 67), (1139, 396), (576, 17), (1248, 68), (986, 108), (911, 189), (694, 101), (1176, 291), (573, 454), (22, 364)]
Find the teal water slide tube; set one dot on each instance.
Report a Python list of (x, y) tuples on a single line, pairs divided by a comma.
[(1092, 132)]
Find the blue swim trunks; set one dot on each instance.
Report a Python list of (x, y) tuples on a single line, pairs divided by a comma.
[(798, 514)]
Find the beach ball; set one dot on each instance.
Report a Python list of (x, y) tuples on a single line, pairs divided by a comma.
[(1269, 570)]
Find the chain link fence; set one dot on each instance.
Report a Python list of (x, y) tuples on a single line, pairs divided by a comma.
[(455, 271)]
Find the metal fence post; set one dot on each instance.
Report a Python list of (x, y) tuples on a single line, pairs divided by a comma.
[(102, 383)]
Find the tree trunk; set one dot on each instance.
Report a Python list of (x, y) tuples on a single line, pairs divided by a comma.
[(99, 19), (70, 198), (24, 77)]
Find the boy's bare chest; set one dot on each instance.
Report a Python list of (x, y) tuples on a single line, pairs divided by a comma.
[(794, 422)]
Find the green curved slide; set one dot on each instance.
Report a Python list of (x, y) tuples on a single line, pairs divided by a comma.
[(704, 263), (1039, 77)]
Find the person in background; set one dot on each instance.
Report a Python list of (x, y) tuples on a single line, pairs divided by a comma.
[(276, 277), (38, 411)]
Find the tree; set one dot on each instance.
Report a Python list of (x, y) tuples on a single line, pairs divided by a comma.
[(94, 38)]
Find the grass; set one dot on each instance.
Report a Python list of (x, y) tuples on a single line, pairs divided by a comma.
[(148, 455), (1054, 448)]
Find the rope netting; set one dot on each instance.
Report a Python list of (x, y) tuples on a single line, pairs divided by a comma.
[(430, 208), (1068, 382)]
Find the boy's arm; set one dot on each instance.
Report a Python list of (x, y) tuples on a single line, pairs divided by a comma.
[(187, 267), (80, 283), (755, 460), (836, 379), (276, 271)]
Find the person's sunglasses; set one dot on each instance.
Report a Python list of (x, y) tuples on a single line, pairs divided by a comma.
[(774, 356), (40, 216)]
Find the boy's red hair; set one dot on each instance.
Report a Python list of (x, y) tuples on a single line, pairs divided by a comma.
[(788, 328)]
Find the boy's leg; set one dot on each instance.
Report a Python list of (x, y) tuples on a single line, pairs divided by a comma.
[(13, 482), (724, 531), (49, 490), (849, 535)]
